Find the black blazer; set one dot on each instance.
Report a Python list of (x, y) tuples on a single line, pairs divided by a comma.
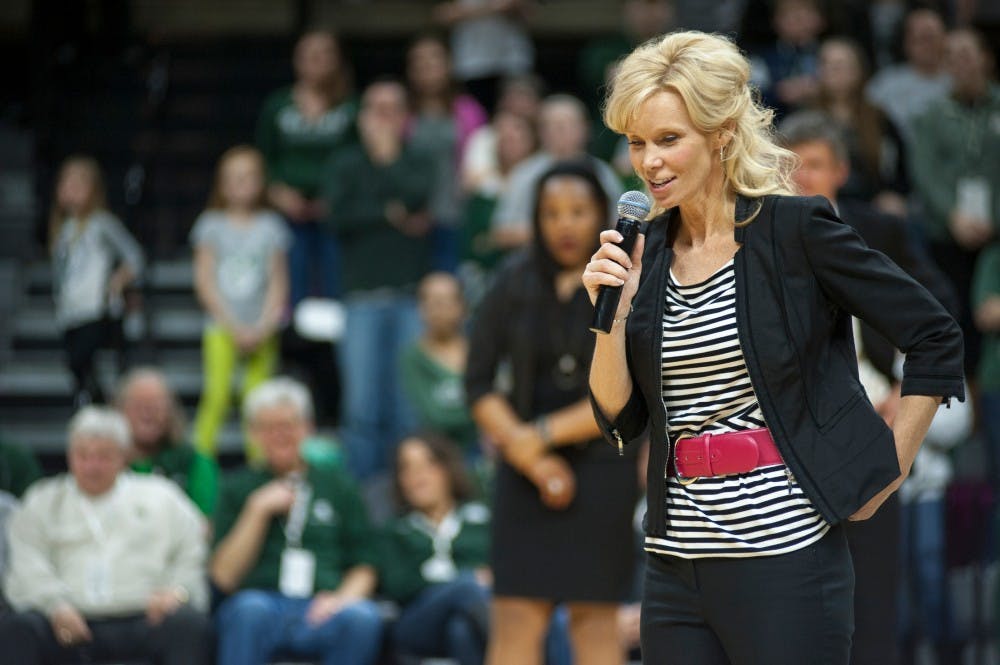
[(891, 236), (800, 273)]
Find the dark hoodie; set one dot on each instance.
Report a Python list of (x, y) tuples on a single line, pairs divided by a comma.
[(547, 342)]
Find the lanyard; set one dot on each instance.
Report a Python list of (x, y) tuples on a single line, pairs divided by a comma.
[(299, 513), (441, 536), (94, 525)]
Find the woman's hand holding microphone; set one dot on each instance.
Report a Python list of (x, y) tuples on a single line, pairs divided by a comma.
[(610, 266)]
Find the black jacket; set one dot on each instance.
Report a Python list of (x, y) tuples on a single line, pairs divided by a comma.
[(890, 235), (800, 273)]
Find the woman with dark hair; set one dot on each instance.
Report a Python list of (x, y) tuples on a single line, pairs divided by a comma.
[(561, 495), (878, 163), (435, 554), (442, 122), (300, 126)]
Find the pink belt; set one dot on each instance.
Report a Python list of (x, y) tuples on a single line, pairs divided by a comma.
[(723, 454)]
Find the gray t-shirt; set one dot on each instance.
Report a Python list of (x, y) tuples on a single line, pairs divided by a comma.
[(903, 94), (243, 252), (83, 258), (515, 209)]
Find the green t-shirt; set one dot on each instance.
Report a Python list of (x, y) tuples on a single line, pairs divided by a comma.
[(407, 546), (295, 149), (953, 142), (18, 469), (438, 395), (336, 528), (193, 472), (986, 284), (374, 253)]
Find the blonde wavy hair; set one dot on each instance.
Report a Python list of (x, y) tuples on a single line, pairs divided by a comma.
[(712, 77)]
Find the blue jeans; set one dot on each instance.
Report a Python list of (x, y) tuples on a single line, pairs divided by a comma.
[(313, 263), (989, 403), (923, 603), (446, 620), (375, 412), (257, 626), (452, 620)]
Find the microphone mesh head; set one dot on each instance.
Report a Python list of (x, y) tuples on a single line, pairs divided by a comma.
[(633, 205)]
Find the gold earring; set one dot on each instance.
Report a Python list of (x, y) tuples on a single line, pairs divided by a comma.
[(722, 157)]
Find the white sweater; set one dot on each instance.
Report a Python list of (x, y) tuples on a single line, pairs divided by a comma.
[(104, 555)]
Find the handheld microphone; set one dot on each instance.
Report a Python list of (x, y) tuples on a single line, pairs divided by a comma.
[(633, 207)]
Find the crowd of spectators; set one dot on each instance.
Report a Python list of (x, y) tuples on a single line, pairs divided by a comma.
[(450, 209)]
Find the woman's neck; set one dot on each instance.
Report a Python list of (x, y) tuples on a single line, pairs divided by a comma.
[(435, 514), (568, 281), (440, 339), (432, 104), (240, 213), (707, 216)]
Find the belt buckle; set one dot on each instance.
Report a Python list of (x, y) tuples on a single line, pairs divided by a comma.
[(681, 479)]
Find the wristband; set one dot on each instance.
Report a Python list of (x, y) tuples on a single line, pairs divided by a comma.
[(542, 425)]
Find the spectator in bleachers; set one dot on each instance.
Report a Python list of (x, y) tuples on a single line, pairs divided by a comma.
[(158, 427), (489, 42), (905, 90), (986, 310), (563, 130), (561, 493), (435, 557), (786, 72), (491, 155), (823, 170), (94, 259), (433, 368), (925, 606), (443, 119), (293, 547), (105, 564), (378, 195), (299, 127), (641, 20), (241, 280), (18, 468), (487, 160), (956, 170), (877, 159)]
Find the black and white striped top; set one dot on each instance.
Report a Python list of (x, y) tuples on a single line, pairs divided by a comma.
[(706, 388)]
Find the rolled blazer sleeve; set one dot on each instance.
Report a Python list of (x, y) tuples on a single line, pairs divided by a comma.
[(868, 285), (631, 422)]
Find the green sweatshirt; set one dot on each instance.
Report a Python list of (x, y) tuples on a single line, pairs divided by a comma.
[(295, 149), (336, 527), (407, 546), (438, 395), (986, 284), (18, 469), (196, 474), (953, 140), (374, 253)]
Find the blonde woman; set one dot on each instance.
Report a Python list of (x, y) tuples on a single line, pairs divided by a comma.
[(94, 259), (732, 346)]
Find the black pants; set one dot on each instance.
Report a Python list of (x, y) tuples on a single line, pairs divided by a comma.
[(82, 344), (788, 609), (874, 545), (183, 638)]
